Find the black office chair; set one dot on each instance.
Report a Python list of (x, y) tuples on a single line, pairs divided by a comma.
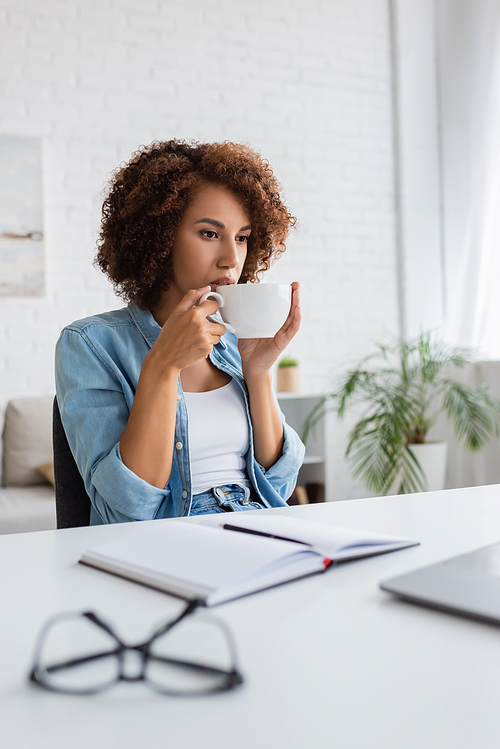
[(72, 501)]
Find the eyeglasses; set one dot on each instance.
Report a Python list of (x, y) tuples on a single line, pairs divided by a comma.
[(79, 653)]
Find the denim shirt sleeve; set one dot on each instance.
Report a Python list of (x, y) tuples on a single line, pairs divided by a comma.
[(281, 477), (94, 410), (283, 474)]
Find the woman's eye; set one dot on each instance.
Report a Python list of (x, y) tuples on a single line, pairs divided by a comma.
[(209, 233), (243, 238)]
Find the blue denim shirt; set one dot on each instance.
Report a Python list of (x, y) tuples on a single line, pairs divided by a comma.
[(98, 362)]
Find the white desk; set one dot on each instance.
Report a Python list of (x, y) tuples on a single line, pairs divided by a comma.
[(330, 661)]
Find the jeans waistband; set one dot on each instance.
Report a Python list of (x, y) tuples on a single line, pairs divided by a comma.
[(225, 498)]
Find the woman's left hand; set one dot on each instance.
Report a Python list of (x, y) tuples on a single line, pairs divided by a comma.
[(259, 354)]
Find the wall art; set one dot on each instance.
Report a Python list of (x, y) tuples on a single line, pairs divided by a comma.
[(22, 271)]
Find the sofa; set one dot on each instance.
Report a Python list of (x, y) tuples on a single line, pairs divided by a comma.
[(27, 501)]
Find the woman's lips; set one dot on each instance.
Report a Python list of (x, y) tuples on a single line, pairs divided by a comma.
[(226, 281)]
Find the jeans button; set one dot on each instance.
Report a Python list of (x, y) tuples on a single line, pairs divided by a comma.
[(184, 494), (219, 493)]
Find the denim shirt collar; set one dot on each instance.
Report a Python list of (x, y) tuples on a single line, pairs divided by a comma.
[(145, 322)]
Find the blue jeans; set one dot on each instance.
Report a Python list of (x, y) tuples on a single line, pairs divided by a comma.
[(227, 498)]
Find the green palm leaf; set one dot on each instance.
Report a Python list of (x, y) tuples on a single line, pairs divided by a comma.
[(473, 413)]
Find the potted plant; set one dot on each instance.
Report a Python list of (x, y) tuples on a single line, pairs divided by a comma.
[(404, 387), (288, 376)]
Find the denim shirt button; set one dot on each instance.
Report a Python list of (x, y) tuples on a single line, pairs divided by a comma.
[(179, 396), (178, 445), (219, 493), (184, 494)]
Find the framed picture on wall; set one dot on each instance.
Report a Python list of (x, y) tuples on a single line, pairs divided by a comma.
[(22, 271)]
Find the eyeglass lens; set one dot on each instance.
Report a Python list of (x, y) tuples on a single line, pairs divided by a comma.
[(76, 654), (195, 656)]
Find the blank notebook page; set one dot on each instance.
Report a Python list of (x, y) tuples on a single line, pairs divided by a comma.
[(185, 551)]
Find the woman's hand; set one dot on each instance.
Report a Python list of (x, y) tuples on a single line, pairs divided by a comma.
[(259, 354), (187, 336), (257, 357)]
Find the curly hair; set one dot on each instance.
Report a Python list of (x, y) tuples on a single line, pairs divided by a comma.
[(148, 196)]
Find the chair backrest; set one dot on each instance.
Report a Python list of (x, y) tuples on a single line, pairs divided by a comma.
[(72, 501)]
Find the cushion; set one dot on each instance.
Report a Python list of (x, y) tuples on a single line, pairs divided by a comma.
[(47, 471), (27, 508), (27, 439)]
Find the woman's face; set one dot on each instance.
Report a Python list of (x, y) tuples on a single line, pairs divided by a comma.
[(210, 246)]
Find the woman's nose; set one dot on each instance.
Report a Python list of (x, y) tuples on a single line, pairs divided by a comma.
[(229, 257)]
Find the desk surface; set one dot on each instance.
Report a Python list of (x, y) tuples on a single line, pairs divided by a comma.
[(329, 661)]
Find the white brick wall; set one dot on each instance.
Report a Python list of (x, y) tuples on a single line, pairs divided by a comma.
[(307, 82)]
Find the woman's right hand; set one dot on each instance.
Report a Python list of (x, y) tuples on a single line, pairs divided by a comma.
[(187, 336)]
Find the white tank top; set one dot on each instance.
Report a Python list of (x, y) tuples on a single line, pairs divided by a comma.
[(218, 437)]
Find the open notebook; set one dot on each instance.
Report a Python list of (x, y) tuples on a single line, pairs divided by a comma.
[(231, 555)]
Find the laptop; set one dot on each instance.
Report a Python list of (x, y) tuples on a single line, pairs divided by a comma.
[(468, 584)]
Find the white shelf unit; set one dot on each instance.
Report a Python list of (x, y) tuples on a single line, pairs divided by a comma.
[(296, 407)]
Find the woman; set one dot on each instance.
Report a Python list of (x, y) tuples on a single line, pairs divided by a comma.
[(167, 414)]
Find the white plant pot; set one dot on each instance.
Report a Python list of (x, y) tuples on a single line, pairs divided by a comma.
[(432, 457)]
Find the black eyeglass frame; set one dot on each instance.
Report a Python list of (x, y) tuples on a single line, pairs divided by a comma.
[(232, 677)]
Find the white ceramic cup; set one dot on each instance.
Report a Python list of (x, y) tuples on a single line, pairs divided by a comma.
[(252, 310)]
